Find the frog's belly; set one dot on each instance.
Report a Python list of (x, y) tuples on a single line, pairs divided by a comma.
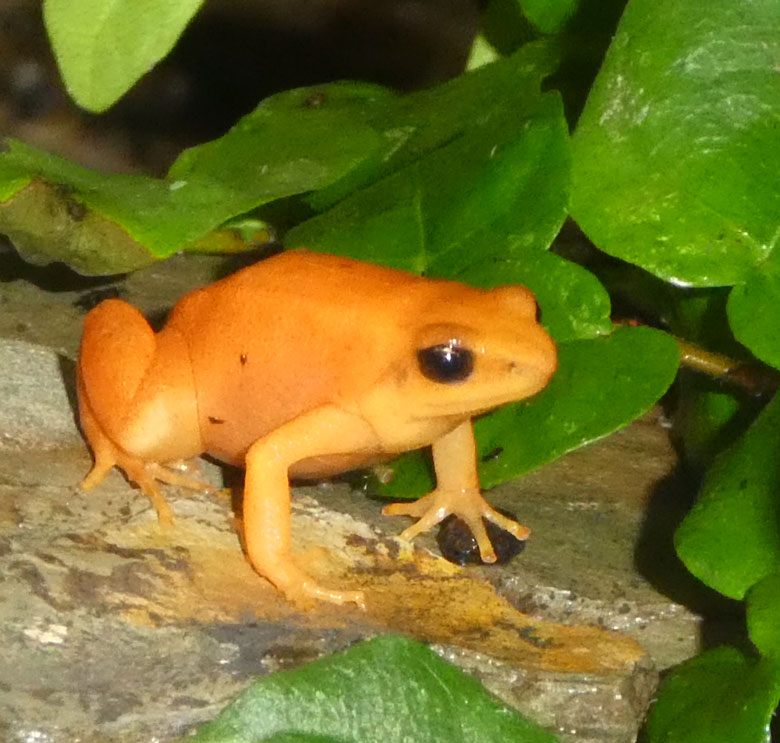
[(314, 468)]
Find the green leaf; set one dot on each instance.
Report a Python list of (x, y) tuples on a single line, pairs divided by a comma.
[(601, 385), (497, 191), (574, 304), (104, 46), (481, 209), (707, 418), (301, 738), (763, 616), (752, 311), (413, 126), (548, 15), (329, 140), (482, 53), (731, 538), (286, 146), (677, 154), (718, 697), (386, 689), (505, 27)]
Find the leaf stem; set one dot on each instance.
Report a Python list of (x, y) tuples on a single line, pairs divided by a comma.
[(753, 377)]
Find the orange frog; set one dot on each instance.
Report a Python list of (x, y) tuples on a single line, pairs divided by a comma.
[(306, 365)]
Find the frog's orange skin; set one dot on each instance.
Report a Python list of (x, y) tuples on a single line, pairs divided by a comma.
[(306, 365)]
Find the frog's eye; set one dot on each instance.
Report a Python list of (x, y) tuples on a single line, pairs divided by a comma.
[(446, 362)]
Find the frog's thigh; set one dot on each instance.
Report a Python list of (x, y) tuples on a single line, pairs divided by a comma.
[(117, 355), (324, 431), (116, 351), (103, 449)]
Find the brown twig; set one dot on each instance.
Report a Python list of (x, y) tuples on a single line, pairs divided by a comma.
[(754, 377)]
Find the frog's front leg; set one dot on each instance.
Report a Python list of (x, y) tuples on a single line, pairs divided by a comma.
[(457, 492), (321, 432)]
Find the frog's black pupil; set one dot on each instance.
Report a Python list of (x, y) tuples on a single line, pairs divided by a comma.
[(446, 362)]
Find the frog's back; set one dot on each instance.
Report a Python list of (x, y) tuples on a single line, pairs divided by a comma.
[(337, 278), (286, 335)]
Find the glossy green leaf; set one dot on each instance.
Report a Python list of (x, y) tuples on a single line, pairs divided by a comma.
[(415, 125), (573, 302), (55, 210), (754, 311), (104, 46), (481, 209), (329, 140), (677, 153), (505, 27), (496, 186), (718, 697), (301, 738), (731, 538), (601, 385), (548, 15), (707, 418), (763, 616), (386, 689)]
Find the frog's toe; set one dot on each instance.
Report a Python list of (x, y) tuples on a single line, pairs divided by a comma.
[(476, 523), (517, 530), (159, 501), (312, 590), (302, 590), (429, 510), (416, 508), (170, 477), (97, 474)]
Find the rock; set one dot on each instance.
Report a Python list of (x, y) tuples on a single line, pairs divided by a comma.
[(37, 412)]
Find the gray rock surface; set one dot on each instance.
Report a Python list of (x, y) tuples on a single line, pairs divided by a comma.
[(36, 412)]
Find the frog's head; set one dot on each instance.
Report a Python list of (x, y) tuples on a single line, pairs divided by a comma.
[(478, 349)]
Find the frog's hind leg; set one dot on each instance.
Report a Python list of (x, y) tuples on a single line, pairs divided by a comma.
[(107, 455), (125, 414), (103, 451)]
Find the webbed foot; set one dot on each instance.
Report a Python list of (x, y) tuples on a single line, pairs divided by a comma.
[(468, 505)]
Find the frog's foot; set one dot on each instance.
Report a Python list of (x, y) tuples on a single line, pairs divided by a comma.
[(145, 475), (468, 505), (97, 474), (300, 589), (311, 590)]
